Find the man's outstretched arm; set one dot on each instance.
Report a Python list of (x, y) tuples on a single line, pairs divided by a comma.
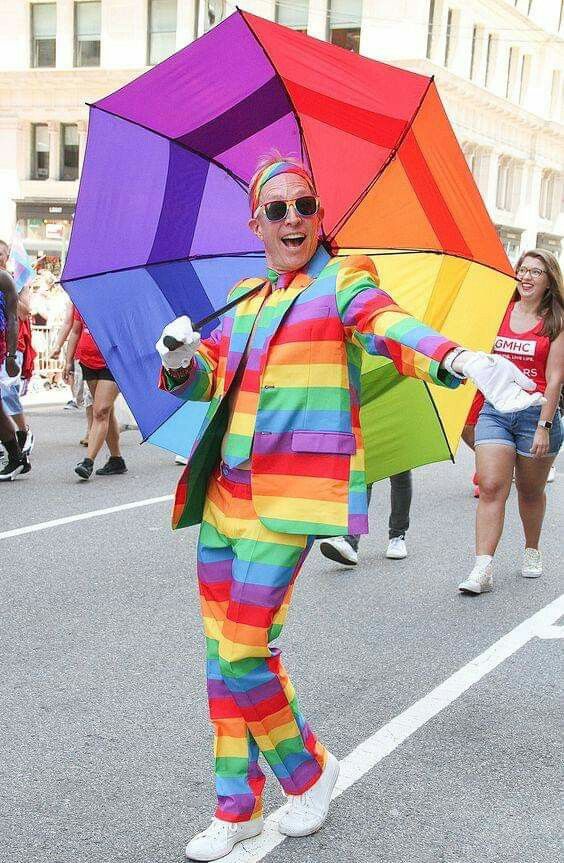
[(382, 328)]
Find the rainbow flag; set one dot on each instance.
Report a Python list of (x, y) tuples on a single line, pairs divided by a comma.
[(19, 263)]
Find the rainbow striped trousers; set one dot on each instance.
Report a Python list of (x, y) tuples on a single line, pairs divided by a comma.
[(246, 575)]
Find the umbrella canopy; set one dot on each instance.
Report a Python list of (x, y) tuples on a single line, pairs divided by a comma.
[(161, 220)]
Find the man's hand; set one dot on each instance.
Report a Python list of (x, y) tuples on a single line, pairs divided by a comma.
[(181, 331), (12, 367), (502, 383)]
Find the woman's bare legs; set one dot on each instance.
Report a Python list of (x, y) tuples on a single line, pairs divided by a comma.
[(104, 395), (530, 479), (112, 438), (494, 464)]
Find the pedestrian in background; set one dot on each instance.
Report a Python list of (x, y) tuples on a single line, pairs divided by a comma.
[(344, 549), (25, 356), (104, 391), (81, 396), (11, 395), (531, 336), (17, 462)]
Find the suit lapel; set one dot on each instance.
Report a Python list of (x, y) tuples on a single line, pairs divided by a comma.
[(244, 317)]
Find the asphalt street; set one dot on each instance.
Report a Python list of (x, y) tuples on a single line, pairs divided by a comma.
[(105, 743)]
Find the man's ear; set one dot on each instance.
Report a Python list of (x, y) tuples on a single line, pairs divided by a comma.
[(255, 227)]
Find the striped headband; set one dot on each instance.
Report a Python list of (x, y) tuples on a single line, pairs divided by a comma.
[(262, 177)]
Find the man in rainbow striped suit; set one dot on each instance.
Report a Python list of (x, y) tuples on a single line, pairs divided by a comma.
[(278, 461)]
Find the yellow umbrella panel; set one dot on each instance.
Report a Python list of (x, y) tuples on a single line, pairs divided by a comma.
[(406, 422)]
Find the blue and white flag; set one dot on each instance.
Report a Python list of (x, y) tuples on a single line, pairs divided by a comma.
[(19, 263)]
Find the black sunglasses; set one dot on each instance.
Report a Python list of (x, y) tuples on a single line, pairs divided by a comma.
[(275, 211)]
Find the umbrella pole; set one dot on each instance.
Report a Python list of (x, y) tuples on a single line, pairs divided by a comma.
[(172, 344)]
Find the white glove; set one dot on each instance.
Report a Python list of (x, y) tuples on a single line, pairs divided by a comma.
[(501, 382), (181, 331)]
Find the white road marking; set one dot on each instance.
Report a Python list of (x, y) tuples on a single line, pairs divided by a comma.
[(82, 516), (367, 755), (551, 632)]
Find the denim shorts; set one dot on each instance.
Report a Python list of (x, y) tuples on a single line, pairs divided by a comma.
[(11, 395), (516, 429)]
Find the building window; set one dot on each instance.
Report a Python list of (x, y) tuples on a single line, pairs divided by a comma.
[(510, 240), (490, 52), (474, 53), (505, 195), (546, 203), (430, 25), (511, 72), (69, 152), (556, 97), (161, 30), (87, 19), (448, 40), (524, 77), (214, 12), (39, 151), (43, 34), (293, 14), (344, 23), (550, 242)]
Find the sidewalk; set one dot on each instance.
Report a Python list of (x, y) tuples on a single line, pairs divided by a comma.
[(38, 395)]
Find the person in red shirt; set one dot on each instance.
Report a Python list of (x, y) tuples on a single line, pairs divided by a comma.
[(527, 443), (104, 390)]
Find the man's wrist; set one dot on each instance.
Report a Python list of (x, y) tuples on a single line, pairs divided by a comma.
[(453, 362), (179, 374)]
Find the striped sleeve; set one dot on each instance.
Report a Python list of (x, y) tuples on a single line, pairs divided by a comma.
[(378, 325), (200, 383)]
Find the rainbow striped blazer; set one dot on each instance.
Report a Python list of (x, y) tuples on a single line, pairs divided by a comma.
[(307, 462)]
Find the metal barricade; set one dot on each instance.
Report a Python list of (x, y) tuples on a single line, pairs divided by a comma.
[(43, 340)]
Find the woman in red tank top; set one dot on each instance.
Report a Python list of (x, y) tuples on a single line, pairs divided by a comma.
[(104, 391), (531, 336)]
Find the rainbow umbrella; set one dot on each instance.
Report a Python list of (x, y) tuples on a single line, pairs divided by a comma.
[(161, 220)]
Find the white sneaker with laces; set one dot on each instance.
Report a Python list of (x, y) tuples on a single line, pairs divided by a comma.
[(220, 838), (337, 548), (532, 563), (397, 548), (305, 813), (480, 580)]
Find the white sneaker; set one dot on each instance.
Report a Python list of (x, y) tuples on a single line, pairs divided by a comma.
[(305, 813), (397, 548), (337, 548), (532, 563), (480, 580), (221, 837), (179, 459), (551, 474)]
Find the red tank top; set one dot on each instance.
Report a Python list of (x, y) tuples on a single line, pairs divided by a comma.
[(528, 350)]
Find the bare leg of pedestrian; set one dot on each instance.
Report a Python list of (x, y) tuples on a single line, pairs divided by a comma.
[(530, 478), (495, 464), (104, 394)]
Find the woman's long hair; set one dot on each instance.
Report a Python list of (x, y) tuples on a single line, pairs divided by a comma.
[(551, 308)]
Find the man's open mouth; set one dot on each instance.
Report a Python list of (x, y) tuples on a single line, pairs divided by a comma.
[(293, 241)]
